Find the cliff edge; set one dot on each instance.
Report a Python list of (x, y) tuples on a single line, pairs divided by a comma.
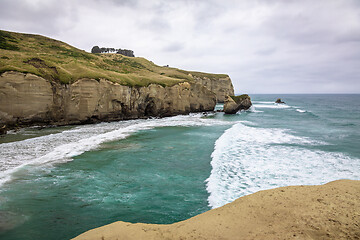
[(221, 85), (330, 211), (45, 81)]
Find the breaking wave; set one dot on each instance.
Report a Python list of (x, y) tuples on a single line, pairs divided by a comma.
[(247, 159)]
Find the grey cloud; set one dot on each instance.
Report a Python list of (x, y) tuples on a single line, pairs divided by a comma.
[(298, 28), (353, 36), (266, 51), (108, 5), (265, 45), (46, 18), (173, 47), (207, 13), (312, 22), (128, 3), (156, 24)]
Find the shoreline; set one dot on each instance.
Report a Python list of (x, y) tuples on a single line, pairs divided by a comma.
[(42, 125), (329, 211)]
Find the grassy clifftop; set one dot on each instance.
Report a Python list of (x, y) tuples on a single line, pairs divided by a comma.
[(57, 61), (240, 98)]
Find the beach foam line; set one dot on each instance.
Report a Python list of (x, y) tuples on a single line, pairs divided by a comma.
[(263, 102), (273, 105), (248, 159), (300, 110), (61, 147)]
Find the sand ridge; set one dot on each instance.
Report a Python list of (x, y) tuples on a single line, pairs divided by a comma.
[(330, 211)]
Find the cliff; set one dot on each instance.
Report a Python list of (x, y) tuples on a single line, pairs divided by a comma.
[(30, 99), (45, 81), (329, 211), (221, 85)]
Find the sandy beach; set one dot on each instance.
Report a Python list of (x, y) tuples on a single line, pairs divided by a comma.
[(330, 211)]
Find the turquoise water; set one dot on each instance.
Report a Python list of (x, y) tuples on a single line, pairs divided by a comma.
[(59, 182)]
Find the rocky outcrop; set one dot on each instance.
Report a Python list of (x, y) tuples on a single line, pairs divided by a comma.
[(233, 104), (279, 101), (221, 86), (329, 211), (28, 99)]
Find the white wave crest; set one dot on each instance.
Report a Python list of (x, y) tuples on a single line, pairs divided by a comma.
[(300, 110), (248, 159), (263, 102), (272, 105), (253, 109)]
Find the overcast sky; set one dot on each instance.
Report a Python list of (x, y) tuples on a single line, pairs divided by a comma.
[(266, 46)]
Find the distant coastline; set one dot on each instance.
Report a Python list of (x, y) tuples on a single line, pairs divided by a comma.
[(47, 82)]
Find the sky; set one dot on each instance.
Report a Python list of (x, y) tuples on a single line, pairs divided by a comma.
[(266, 46)]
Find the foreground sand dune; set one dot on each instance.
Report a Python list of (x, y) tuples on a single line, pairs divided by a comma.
[(330, 211)]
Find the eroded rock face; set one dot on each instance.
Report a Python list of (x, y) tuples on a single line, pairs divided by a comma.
[(24, 96), (28, 99), (236, 103), (221, 86)]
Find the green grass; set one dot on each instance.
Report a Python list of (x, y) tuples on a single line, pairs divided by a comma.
[(240, 98), (57, 61), (7, 41), (203, 75)]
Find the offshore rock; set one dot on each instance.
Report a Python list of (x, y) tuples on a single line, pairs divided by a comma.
[(27, 99), (233, 104), (279, 101)]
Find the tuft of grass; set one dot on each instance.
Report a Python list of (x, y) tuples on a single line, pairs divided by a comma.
[(240, 98), (5, 38), (57, 61), (204, 75)]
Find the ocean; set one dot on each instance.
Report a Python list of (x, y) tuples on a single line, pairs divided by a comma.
[(58, 182)]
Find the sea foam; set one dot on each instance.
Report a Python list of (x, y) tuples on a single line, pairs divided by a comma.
[(247, 159), (272, 105), (62, 147)]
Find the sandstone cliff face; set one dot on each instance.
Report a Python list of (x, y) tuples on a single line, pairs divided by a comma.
[(221, 86), (28, 99)]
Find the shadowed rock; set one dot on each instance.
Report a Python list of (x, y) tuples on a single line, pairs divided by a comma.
[(279, 101), (3, 130)]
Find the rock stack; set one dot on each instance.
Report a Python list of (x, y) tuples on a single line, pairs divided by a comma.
[(233, 104)]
